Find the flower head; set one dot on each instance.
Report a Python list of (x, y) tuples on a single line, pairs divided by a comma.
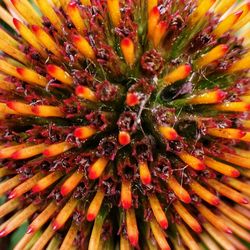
[(125, 123)]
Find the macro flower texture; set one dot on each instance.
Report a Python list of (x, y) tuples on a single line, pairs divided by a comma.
[(125, 124)]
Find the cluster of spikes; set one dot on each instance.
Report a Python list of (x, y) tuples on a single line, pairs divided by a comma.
[(125, 124)]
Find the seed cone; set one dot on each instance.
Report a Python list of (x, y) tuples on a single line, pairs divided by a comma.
[(125, 124)]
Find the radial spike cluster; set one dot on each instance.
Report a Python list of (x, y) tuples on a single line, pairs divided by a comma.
[(125, 124)]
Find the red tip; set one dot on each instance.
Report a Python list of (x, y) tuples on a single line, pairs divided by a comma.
[(244, 201), (173, 135), (235, 173), (242, 133), (35, 28), (155, 11), (228, 230), (30, 230), (248, 5), (36, 189), (197, 229), (221, 95), (224, 47), (16, 155), (92, 174), (80, 90), (132, 99), (55, 226), (188, 68), (35, 110), (133, 240), (12, 195), (76, 38), (47, 153), (11, 105), (126, 42), (17, 23), (146, 180), (164, 224), (90, 217), (124, 138), (14, 2), (20, 71), (78, 133), (64, 191), (3, 233), (72, 4), (186, 199), (248, 107), (201, 166), (51, 68), (238, 13), (215, 201), (126, 204)]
